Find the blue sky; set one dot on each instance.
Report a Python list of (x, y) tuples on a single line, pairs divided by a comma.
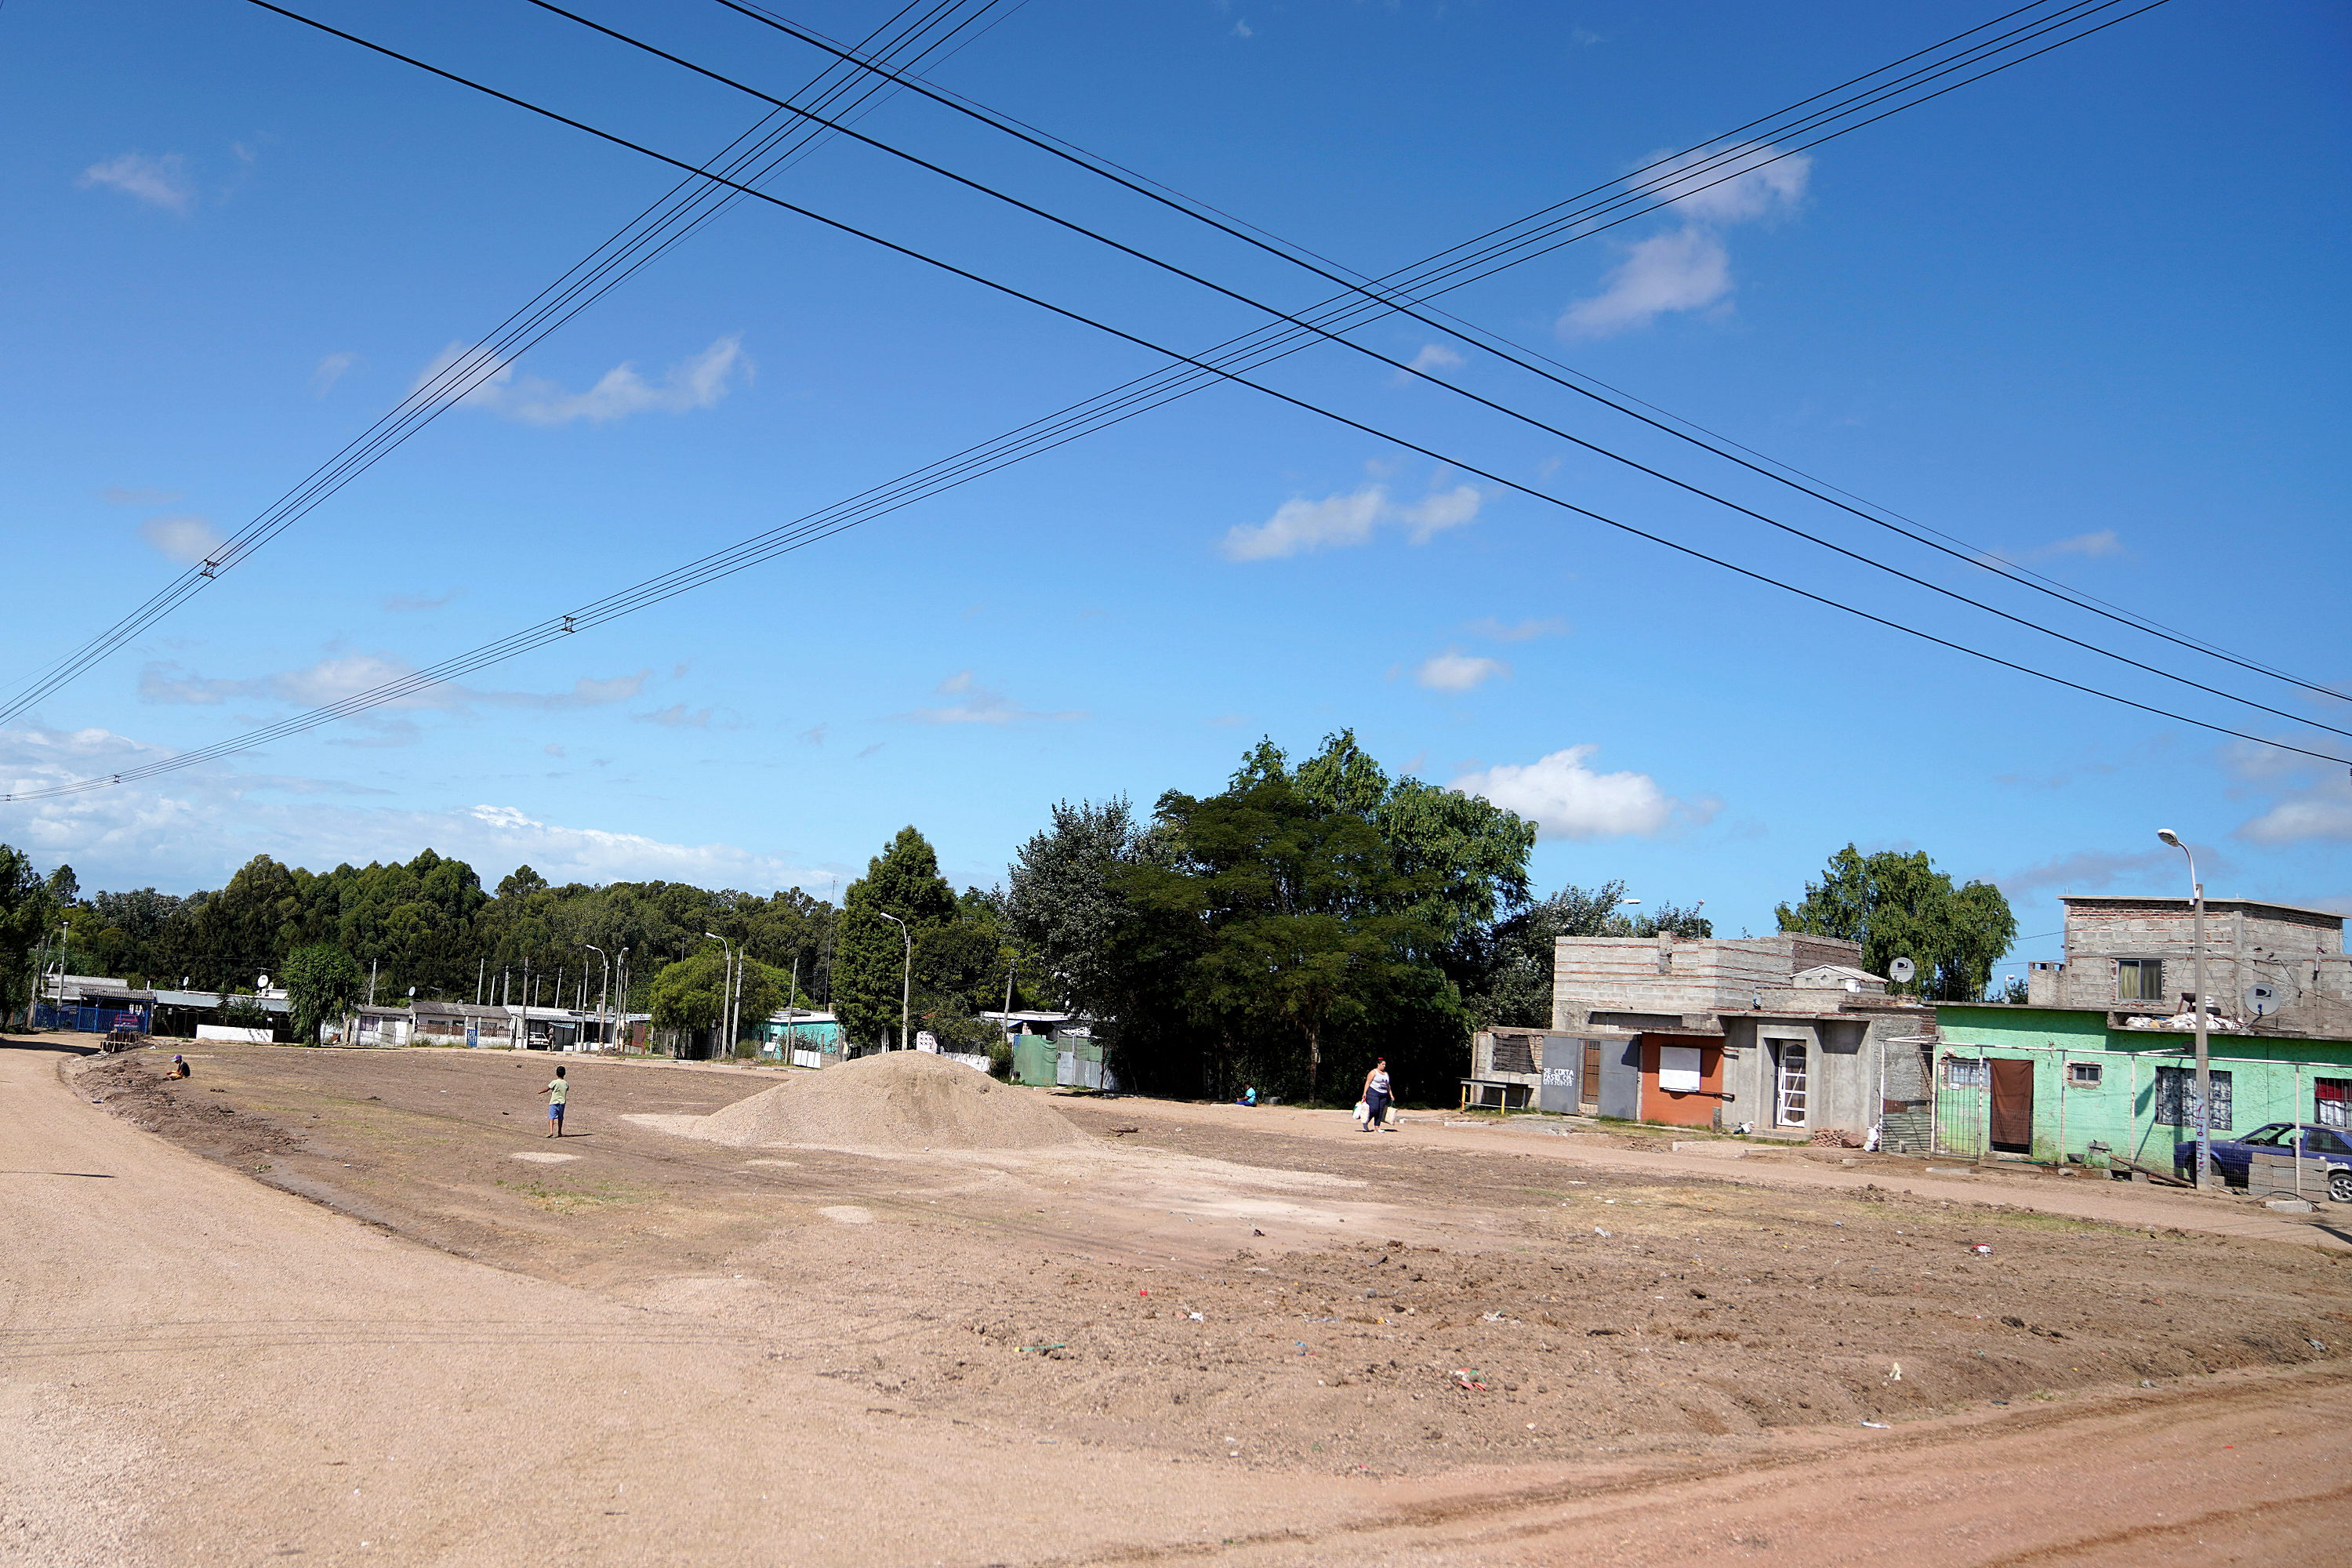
[(2089, 313)]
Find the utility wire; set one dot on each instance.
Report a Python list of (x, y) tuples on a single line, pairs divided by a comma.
[(1486, 337), (1401, 366), (1521, 356), (756, 155), (721, 565)]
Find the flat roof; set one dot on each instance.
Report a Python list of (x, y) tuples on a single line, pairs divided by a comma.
[(2180, 901)]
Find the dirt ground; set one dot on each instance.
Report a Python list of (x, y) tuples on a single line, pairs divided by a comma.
[(1258, 1295)]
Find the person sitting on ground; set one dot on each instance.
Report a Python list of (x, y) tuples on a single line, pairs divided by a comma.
[(1376, 1096), (179, 1068), (1249, 1096), (557, 1092)]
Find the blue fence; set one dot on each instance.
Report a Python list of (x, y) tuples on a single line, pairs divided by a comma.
[(89, 1020)]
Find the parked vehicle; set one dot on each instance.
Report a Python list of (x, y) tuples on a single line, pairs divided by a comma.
[(2231, 1157)]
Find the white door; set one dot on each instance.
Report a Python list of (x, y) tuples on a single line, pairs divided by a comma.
[(1789, 1090)]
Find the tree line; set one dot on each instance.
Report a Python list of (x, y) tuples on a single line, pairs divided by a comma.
[(1284, 932)]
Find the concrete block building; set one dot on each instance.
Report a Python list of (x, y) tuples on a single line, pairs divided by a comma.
[(1785, 1033), (2099, 1063), (2134, 956)]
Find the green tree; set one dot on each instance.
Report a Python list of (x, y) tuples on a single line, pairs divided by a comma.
[(1900, 906), (1300, 916), (690, 994), (321, 982), (869, 954), (1067, 904), (24, 907)]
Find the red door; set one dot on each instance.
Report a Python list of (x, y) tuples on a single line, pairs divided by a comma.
[(2012, 1105)]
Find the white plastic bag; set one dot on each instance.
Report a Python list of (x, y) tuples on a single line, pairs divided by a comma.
[(1363, 1111)]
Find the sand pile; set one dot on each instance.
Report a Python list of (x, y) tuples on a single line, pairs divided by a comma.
[(901, 1100)]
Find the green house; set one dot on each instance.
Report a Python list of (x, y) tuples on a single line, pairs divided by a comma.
[(2052, 1083)]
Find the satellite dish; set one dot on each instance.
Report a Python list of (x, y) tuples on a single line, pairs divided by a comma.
[(2262, 1000), (1901, 971)]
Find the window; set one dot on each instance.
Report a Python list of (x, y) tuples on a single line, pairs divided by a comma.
[(2320, 1141), (2085, 1075), (2139, 979), (2176, 1097), (1964, 1072), (2269, 1136), (2331, 1102)]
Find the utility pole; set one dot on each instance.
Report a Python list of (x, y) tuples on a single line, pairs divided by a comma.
[(2204, 1061), (481, 971), (373, 963), (905, 981), (726, 989), (621, 974)]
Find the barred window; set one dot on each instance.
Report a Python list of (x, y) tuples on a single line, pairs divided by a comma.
[(2085, 1075), (2176, 1097), (1964, 1072)]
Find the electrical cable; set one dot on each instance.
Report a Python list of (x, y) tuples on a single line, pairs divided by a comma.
[(1412, 370), (1518, 354), (467, 374), (663, 223), (616, 605), (1483, 335)]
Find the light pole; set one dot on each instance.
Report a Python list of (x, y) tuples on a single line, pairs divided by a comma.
[(2204, 1062), (726, 991), (905, 980), (621, 995), (603, 989)]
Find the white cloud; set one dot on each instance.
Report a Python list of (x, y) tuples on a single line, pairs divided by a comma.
[(1436, 356), (185, 538), (193, 829), (332, 369), (2322, 811), (1299, 527), (1701, 192), (2095, 546), (1519, 631), (1684, 270), (980, 705), (1688, 268), (339, 676), (677, 716), (1455, 670), (1565, 799), (700, 382), (159, 182)]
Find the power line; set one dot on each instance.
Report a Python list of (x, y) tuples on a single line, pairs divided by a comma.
[(1681, 187), (751, 156), (1520, 355), (740, 558)]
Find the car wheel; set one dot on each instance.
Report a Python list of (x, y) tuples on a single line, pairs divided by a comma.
[(2339, 1185)]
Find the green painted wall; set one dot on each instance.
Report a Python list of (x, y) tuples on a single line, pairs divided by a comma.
[(2270, 1079)]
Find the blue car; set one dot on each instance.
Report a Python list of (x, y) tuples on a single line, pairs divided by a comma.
[(2329, 1146)]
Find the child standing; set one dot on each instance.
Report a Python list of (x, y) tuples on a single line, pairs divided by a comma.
[(557, 1089)]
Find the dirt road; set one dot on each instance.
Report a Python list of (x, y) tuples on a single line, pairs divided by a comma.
[(686, 1355)]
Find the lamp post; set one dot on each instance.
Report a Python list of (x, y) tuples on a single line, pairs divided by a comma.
[(2204, 1062), (726, 991), (603, 989), (905, 980)]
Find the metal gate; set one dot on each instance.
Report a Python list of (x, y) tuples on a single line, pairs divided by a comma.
[(1961, 1085)]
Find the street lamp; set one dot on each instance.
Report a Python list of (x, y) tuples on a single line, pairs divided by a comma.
[(905, 980), (604, 987), (2204, 1062), (726, 991)]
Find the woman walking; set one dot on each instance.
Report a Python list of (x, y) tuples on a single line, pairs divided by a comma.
[(1376, 1096)]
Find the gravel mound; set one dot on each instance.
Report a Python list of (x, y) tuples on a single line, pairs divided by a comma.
[(899, 1100)]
